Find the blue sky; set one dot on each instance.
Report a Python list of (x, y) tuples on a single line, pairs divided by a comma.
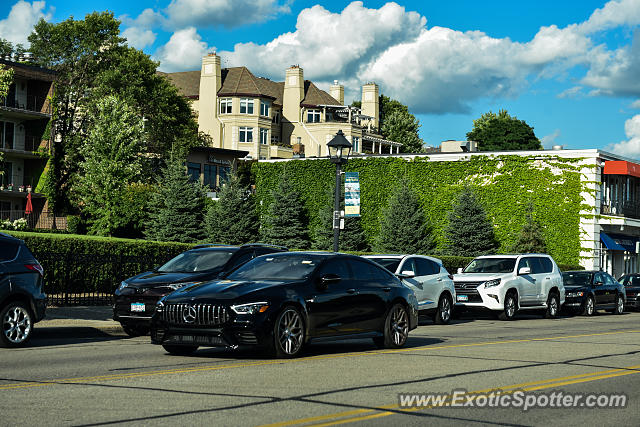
[(569, 69)]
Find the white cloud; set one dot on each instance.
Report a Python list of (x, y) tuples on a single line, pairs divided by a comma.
[(549, 141), (630, 147), (635, 104), (21, 20), (614, 14), (183, 51), (572, 92), (226, 13), (139, 37)]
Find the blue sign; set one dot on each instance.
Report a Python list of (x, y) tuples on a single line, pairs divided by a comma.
[(351, 194)]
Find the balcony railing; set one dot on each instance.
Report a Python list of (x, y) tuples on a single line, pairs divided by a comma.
[(29, 103), (623, 208), (31, 143)]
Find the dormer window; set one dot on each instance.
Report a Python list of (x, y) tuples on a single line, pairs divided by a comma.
[(246, 106), (313, 116)]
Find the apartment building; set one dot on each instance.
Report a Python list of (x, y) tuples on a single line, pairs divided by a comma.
[(268, 119), (24, 115)]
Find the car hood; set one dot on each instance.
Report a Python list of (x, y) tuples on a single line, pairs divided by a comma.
[(479, 277), (221, 290), (152, 279)]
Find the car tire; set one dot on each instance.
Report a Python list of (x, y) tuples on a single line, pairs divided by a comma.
[(553, 306), (17, 324), (288, 334), (396, 328), (134, 331), (589, 307), (619, 305), (180, 350), (510, 306), (443, 312)]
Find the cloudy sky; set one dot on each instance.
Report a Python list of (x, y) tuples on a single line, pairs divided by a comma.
[(569, 69)]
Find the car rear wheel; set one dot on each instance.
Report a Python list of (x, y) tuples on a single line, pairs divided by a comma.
[(589, 307), (619, 305), (135, 330), (396, 328), (288, 334), (443, 313), (180, 350), (17, 324), (553, 305), (510, 307)]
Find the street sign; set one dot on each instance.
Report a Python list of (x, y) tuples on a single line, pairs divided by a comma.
[(351, 194)]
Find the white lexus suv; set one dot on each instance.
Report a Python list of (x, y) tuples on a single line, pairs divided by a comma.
[(508, 283)]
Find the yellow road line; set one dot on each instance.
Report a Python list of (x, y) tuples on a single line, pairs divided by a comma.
[(287, 361), (367, 414)]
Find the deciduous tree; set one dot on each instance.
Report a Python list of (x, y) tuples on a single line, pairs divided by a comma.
[(495, 132)]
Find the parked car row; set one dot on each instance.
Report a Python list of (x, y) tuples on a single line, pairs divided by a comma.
[(265, 296)]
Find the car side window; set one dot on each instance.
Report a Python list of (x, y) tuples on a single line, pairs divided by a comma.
[(598, 278), (426, 267), (609, 280), (242, 259), (545, 264), (409, 265), (335, 266), (8, 251), (526, 262), (362, 270)]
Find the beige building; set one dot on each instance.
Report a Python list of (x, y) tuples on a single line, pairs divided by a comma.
[(279, 119)]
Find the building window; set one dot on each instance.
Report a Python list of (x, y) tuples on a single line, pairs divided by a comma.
[(356, 144), (246, 134), (313, 116), (275, 139), (225, 105), (6, 135), (246, 106), (264, 108), (193, 170), (276, 116), (224, 174), (7, 176), (264, 136), (210, 172)]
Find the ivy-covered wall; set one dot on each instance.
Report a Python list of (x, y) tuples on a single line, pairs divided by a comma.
[(506, 186)]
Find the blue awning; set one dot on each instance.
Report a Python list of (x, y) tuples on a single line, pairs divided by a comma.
[(610, 243)]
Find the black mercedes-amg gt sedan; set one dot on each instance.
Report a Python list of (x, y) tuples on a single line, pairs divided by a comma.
[(282, 301)]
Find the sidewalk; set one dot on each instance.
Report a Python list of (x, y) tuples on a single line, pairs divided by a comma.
[(86, 318)]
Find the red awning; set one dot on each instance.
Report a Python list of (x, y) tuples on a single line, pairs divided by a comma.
[(619, 167)]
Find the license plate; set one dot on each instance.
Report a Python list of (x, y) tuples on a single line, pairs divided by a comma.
[(137, 307), (463, 297)]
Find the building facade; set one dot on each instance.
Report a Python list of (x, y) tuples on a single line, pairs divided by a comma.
[(278, 119), (24, 115), (211, 166)]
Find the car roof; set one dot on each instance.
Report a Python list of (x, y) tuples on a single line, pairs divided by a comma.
[(401, 256), (10, 237), (512, 255)]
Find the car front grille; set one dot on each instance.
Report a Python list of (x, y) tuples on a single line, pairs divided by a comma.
[(195, 314), (467, 287)]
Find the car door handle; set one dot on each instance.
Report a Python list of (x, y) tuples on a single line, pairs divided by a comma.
[(386, 289), (547, 278), (351, 291), (439, 279)]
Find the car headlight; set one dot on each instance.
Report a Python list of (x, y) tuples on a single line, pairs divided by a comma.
[(491, 283), (250, 308), (175, 286), (123, 285)]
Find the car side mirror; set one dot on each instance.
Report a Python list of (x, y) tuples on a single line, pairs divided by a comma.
[(407, 274), (459, 270), (327, 279), (524, 271), (599, 283)]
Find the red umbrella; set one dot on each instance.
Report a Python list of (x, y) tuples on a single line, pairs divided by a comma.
[(29, 208)]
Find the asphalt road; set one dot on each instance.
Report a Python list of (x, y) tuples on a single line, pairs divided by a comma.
[(79, 375)]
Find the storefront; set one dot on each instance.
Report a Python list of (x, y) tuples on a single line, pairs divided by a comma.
[(212, 166), (619, 253)]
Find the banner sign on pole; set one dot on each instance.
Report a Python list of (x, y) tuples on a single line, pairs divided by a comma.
[(351, 194)]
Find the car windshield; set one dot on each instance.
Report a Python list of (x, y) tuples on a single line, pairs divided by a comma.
[(576, 279), (284, 267), (390, 264), (630, 280), (491, 265), (192, 261)]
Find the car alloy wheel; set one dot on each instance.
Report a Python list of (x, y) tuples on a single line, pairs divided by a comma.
[(588, 307), (290, 332), (443, 314), (16, 324), (552, 306), (619, 305), (509, 307)]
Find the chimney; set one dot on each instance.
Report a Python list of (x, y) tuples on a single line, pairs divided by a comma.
[(210, 84), (337, 91), (370, 105), (293, 93)]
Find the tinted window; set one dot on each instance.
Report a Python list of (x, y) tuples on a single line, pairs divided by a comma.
[(188, 262), (530, 262), (242, 259), (580, 278), (8, 250), (390, 264), (426, 267), (609, 280), (630, 280), (491, 265), (409, 265), (546, 265), (335, 266), (599, 278), (364, 271), (278, 267)]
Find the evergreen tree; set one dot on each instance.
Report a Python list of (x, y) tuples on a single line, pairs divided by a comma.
[(469, 232), (286, 221), (530, 239), (404, 227), (353, 237), (323, 231), (111, 164), (176, 212), (233, 219)]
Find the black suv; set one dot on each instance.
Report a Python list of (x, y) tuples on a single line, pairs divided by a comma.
[(22, 300), (136, 298)]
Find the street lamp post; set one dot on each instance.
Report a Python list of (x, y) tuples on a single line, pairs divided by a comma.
[(339, 150)]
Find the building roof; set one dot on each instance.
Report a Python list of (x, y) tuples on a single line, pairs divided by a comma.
[(239, 81), (29, 71)]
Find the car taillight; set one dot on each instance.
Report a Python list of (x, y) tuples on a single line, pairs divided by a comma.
[(35, 267)]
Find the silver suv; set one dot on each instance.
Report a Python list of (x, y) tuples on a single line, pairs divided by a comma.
[(429, 280), (508, 283)]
